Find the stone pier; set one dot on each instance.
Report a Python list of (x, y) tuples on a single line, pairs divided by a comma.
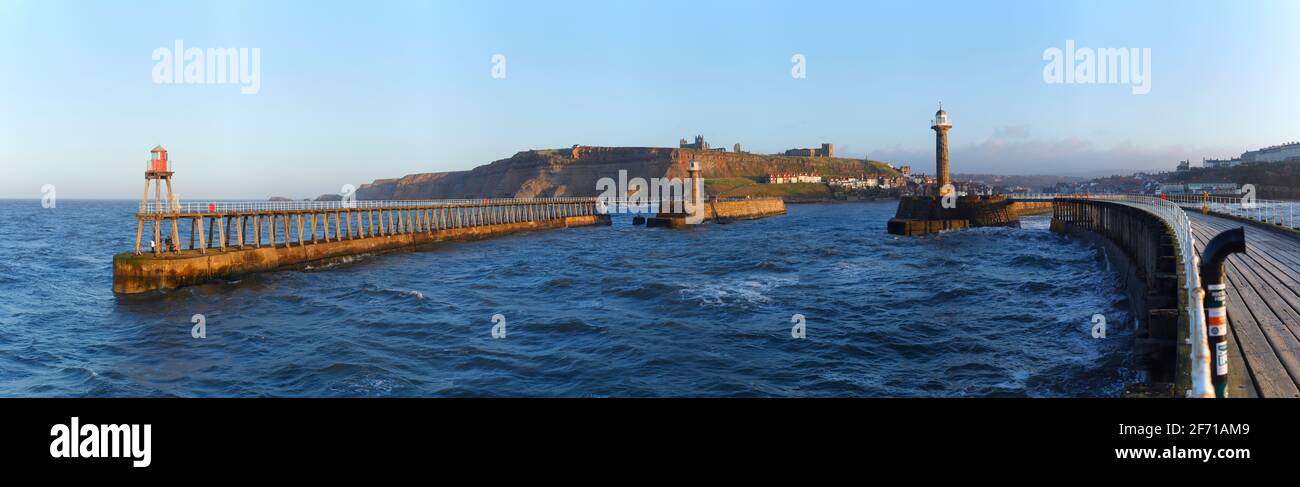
[(723, 210), (231, 239)]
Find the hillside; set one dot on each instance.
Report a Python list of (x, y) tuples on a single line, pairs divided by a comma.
[(745, 187), (574, 172), (1277, 180)]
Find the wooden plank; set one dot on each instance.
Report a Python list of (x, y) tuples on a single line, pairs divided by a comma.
[(1269, 350), (1266, 369), (1279, 296)]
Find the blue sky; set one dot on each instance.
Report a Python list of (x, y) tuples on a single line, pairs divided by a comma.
[(354, 91)]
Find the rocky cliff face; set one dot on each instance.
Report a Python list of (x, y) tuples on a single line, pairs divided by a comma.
[(574, 172)]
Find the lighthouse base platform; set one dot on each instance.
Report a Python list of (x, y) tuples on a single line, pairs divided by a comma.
[(921, 215)]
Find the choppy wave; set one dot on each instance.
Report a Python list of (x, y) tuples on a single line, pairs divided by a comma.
[(590, 312)]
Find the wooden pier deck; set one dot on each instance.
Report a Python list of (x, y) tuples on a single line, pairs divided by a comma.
[(1263, 308)]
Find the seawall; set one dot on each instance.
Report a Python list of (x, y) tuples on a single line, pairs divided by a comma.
[(134, 274), (1022, 208), (744, 209), (723, 211), (1142, 249)]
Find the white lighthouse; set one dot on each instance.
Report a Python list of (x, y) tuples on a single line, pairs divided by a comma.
[(940, 125)]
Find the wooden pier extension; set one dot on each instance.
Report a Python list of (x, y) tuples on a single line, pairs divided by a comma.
[(232, 238)]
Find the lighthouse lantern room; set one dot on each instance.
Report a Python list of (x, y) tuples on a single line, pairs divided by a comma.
[(158, 160)]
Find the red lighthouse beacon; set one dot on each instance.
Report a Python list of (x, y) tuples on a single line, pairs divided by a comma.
[(158, 160), (157, 171)]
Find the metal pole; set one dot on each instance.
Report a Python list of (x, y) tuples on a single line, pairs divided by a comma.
[(1216, 296)]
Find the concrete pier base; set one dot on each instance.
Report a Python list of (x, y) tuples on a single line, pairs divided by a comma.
[(724, 210), (920, 215), (910, 227), (133, 274)]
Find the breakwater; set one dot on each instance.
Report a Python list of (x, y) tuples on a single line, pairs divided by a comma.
[(723, 210), (919, 215), (264, 236), (743, 209)]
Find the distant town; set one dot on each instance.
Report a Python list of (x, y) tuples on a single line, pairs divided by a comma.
[(1185, 178)]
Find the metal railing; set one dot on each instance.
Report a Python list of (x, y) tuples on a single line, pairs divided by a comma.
[(293, 206), (1272, 212), (223, 207), (1032, 196), (1173, 214)]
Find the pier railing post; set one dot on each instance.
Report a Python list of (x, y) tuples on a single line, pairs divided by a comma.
[(157, 217), (139, 233), (221, 231), (203, 242)]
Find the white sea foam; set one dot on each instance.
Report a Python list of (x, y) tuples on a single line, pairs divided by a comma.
[(752, 290)]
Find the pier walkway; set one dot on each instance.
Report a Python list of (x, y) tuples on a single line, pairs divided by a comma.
[(1263, 289), (228, 239), (1263, 306), (222, 225)]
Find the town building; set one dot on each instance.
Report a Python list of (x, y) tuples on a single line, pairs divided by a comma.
[(826, 150), (1277, 153), (851, 182), (1212, 188), (1215, 163), (787, 178), (1199, 188), (699, 144)]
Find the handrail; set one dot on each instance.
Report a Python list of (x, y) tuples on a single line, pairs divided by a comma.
[(273, 206), (221, 207), (1032, 196), (1173, 214), (1273, 212)]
